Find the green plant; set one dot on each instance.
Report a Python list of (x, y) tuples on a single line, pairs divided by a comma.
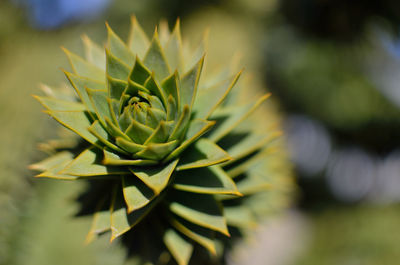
[(181, 155)]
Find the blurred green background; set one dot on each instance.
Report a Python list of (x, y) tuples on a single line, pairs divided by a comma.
[(333, 68)]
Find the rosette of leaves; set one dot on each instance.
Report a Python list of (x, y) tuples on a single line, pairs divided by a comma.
[(176, 157)]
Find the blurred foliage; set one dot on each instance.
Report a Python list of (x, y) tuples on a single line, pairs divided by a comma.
[(8, 21), (327, 81), (354, 235), (22, 121), (182, 8), (223, 28), (339, 20), (315, 62), (49, 234)]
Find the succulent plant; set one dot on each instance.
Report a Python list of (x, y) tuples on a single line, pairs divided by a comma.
[(176, 157)]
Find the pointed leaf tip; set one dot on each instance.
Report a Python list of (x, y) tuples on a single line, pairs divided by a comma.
[(190, 82), (82, 67), (155, 58), (155, 178), (137, 40), (205, 105), (118, 47)]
